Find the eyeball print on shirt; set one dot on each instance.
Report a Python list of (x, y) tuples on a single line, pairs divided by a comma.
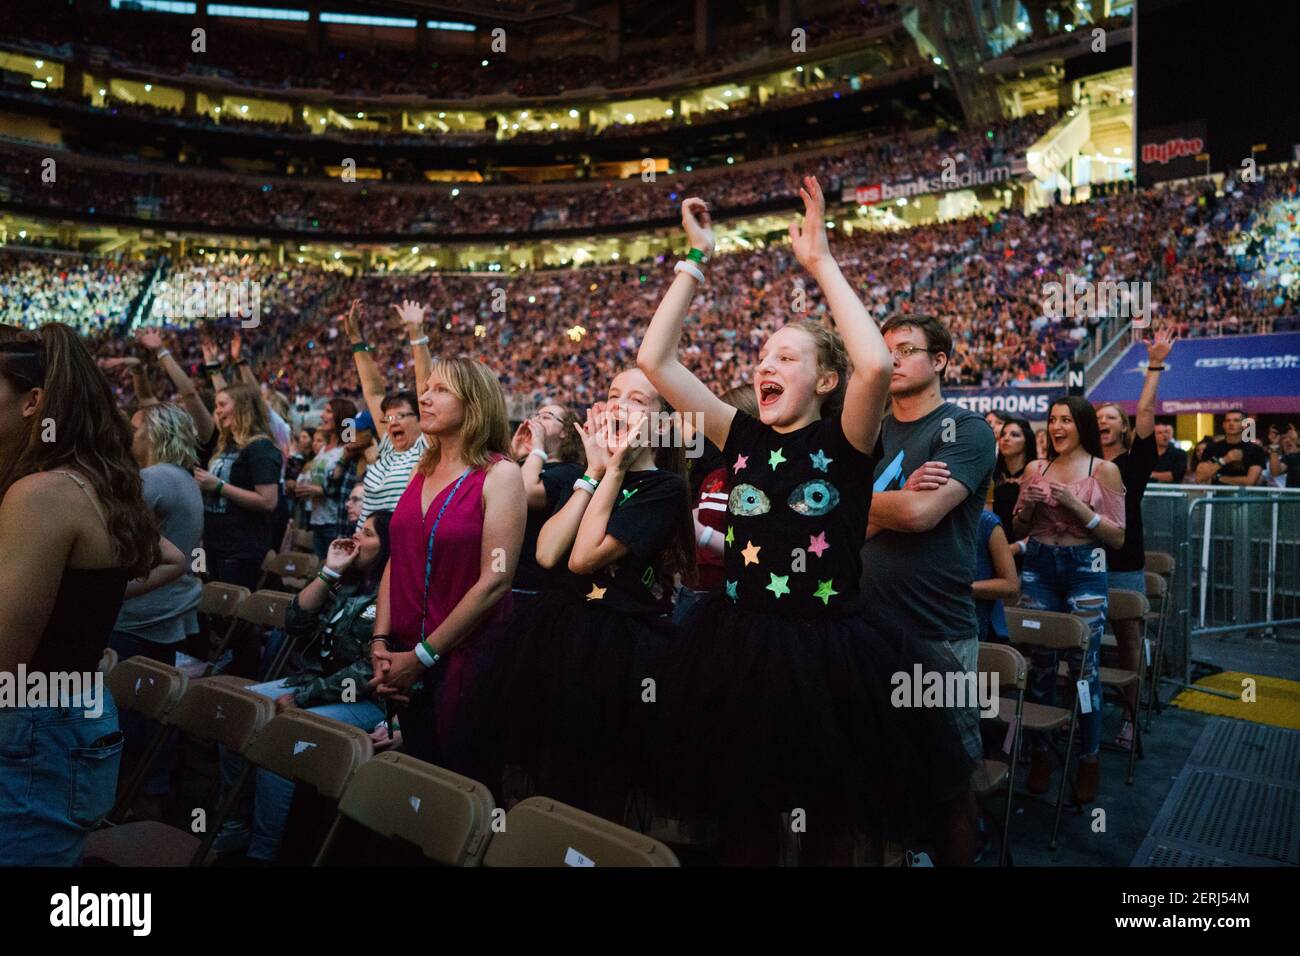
[(748, 501), (814, 498)]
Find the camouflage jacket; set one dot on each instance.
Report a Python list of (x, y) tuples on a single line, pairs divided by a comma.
[(333, 646)]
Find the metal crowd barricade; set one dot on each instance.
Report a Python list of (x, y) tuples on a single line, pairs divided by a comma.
[(1237, 554)]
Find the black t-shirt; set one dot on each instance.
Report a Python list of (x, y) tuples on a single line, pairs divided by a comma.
[(1135, 467), (1292, 462), (556, 476), (796, 519), (1252, 453), (922, 579), (650, 506), (230, 531), (1173, 460), (1006, 492)]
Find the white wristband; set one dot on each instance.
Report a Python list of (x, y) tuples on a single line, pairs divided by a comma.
[(330, 573), (422, 340), (540, 453), (162, 353), (706, 536), (1096, 520), (690, 268), (582, 484)]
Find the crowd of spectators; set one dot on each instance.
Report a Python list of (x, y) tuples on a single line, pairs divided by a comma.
[(85, 292), (164, 43)]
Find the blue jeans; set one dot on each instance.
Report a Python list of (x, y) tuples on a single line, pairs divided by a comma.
[(1063, 579), (58, 778), (274, 794)]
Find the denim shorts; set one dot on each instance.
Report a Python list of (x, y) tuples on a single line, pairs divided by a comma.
[(1127, 581), (58, 779), (965, 653)]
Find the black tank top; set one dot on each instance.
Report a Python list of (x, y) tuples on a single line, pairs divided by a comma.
[(85, 610)]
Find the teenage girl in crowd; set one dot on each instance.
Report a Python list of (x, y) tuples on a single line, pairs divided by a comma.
[(69, 483), (1132, 449), (455, 539), (1017, 447), (1071, 509), (779, 691), (578, 683), (548, 447)]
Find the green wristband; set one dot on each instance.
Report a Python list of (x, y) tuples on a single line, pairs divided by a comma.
[(697, 255), (595, 482), (220, 485), (362, 347)]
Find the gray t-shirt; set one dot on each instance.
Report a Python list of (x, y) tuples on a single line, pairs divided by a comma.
[(166, 614), (923, 579)]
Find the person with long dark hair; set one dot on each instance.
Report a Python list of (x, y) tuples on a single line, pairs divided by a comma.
[(1071, 508), (78, 539), (1131, 447), (548, 448), (330, 623), (571, 685), (1017, 447)]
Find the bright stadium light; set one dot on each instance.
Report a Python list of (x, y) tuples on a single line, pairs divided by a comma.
[(415, 250), (573, 114), (39, 63), (103, 92), (148, 87), (455, 192), (243, 108), (483, 63)]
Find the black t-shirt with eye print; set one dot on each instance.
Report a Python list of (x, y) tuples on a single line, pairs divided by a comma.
[(796, 519), (650, 506)]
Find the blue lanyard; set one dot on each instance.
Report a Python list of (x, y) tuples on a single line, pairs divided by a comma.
[(428, 557)]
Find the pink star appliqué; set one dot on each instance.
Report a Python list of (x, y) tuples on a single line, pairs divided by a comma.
[(741, 462), (817, 544)]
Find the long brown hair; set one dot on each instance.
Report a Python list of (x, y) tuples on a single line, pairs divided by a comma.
[(679, 555), (485, 430), (251, 418), (89, 435), (832, 356)]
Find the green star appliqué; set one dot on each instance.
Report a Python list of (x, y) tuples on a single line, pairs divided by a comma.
[(775, 458), (820, 461), (778, 585), (627, 493), (731, 590), (731, 535), (825, 591)]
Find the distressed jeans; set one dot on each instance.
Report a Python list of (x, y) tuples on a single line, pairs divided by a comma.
[(1071, 579)]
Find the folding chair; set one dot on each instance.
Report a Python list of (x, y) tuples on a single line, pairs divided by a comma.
[(295, 569), (394, 795), (318, 754), (107, 661), (1053, 631), (1161, 564), (302, 540), (1009, 665), (149, 689), (261, 609), (212, 710), (540, 831), (1127, 606)]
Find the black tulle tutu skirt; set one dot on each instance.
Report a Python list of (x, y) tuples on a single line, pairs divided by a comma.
[(763, 716), (570, 698)]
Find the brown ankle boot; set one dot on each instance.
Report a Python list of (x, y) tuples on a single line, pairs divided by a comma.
[(1040, 772), (1089, 779)]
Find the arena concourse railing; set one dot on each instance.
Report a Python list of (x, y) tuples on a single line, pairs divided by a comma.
[(1237, 564)]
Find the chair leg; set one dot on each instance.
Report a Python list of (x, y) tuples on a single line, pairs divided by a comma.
[(220, 649), (1065, 776), (223, 811), (1004, 854)]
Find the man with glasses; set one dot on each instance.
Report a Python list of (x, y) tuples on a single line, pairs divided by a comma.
[(936, 461)]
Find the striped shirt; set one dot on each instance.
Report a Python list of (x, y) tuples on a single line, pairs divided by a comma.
[(388, 476)]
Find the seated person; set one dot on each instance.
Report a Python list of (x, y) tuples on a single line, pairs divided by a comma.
[(330, 623)]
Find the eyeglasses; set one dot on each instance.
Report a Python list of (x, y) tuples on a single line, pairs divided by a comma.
[(550, 416), (907, 351), (396, 417)]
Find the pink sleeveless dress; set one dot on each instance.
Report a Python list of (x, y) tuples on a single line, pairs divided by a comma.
[(453, 570)]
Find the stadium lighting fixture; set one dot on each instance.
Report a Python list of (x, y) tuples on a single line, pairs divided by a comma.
[(1117, 150), (514, 126), (103, 92), (243, 108), (573, 114), (361, 116), (555, 126), (830, 223), (938, 60), (148, 87), (1023, 26), (22, 233), (902, 200), (301, 259), (483, 63), (523, 114), (419, 126), (1069, 28), (532, 298), (322, 121), (798, 69), (668, 112), (338, 255), (731, 160), (415, 250), (39, 84), (455, 192), (39, 63), (727, 94), (442, 116), (216, 109)]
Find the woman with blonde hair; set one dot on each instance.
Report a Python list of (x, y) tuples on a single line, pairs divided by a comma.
[(241, 486), (455, 539)]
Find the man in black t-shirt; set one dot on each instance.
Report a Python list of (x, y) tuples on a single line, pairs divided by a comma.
[(1171, 461), (1232, 461), (1284, 458)]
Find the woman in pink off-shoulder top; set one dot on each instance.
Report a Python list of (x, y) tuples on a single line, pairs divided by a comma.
[(1071, 508)]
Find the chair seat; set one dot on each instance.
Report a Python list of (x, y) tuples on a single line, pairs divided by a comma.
[(142, 843), (988, 776), (1117, 677), (1036, 716)]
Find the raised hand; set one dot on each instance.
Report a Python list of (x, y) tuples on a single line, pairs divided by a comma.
[(811, 246), (625, 442), (698, 225), (209, 346), (522, 442), (342, 552), (411, 313), (149, 338), (592, 434), (1159, 346), (236, 346), (352, 322)]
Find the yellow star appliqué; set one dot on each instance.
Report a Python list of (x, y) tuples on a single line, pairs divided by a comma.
[(751, 553), (596, 593)]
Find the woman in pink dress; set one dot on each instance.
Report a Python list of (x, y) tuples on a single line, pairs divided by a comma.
[(455, 538)]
